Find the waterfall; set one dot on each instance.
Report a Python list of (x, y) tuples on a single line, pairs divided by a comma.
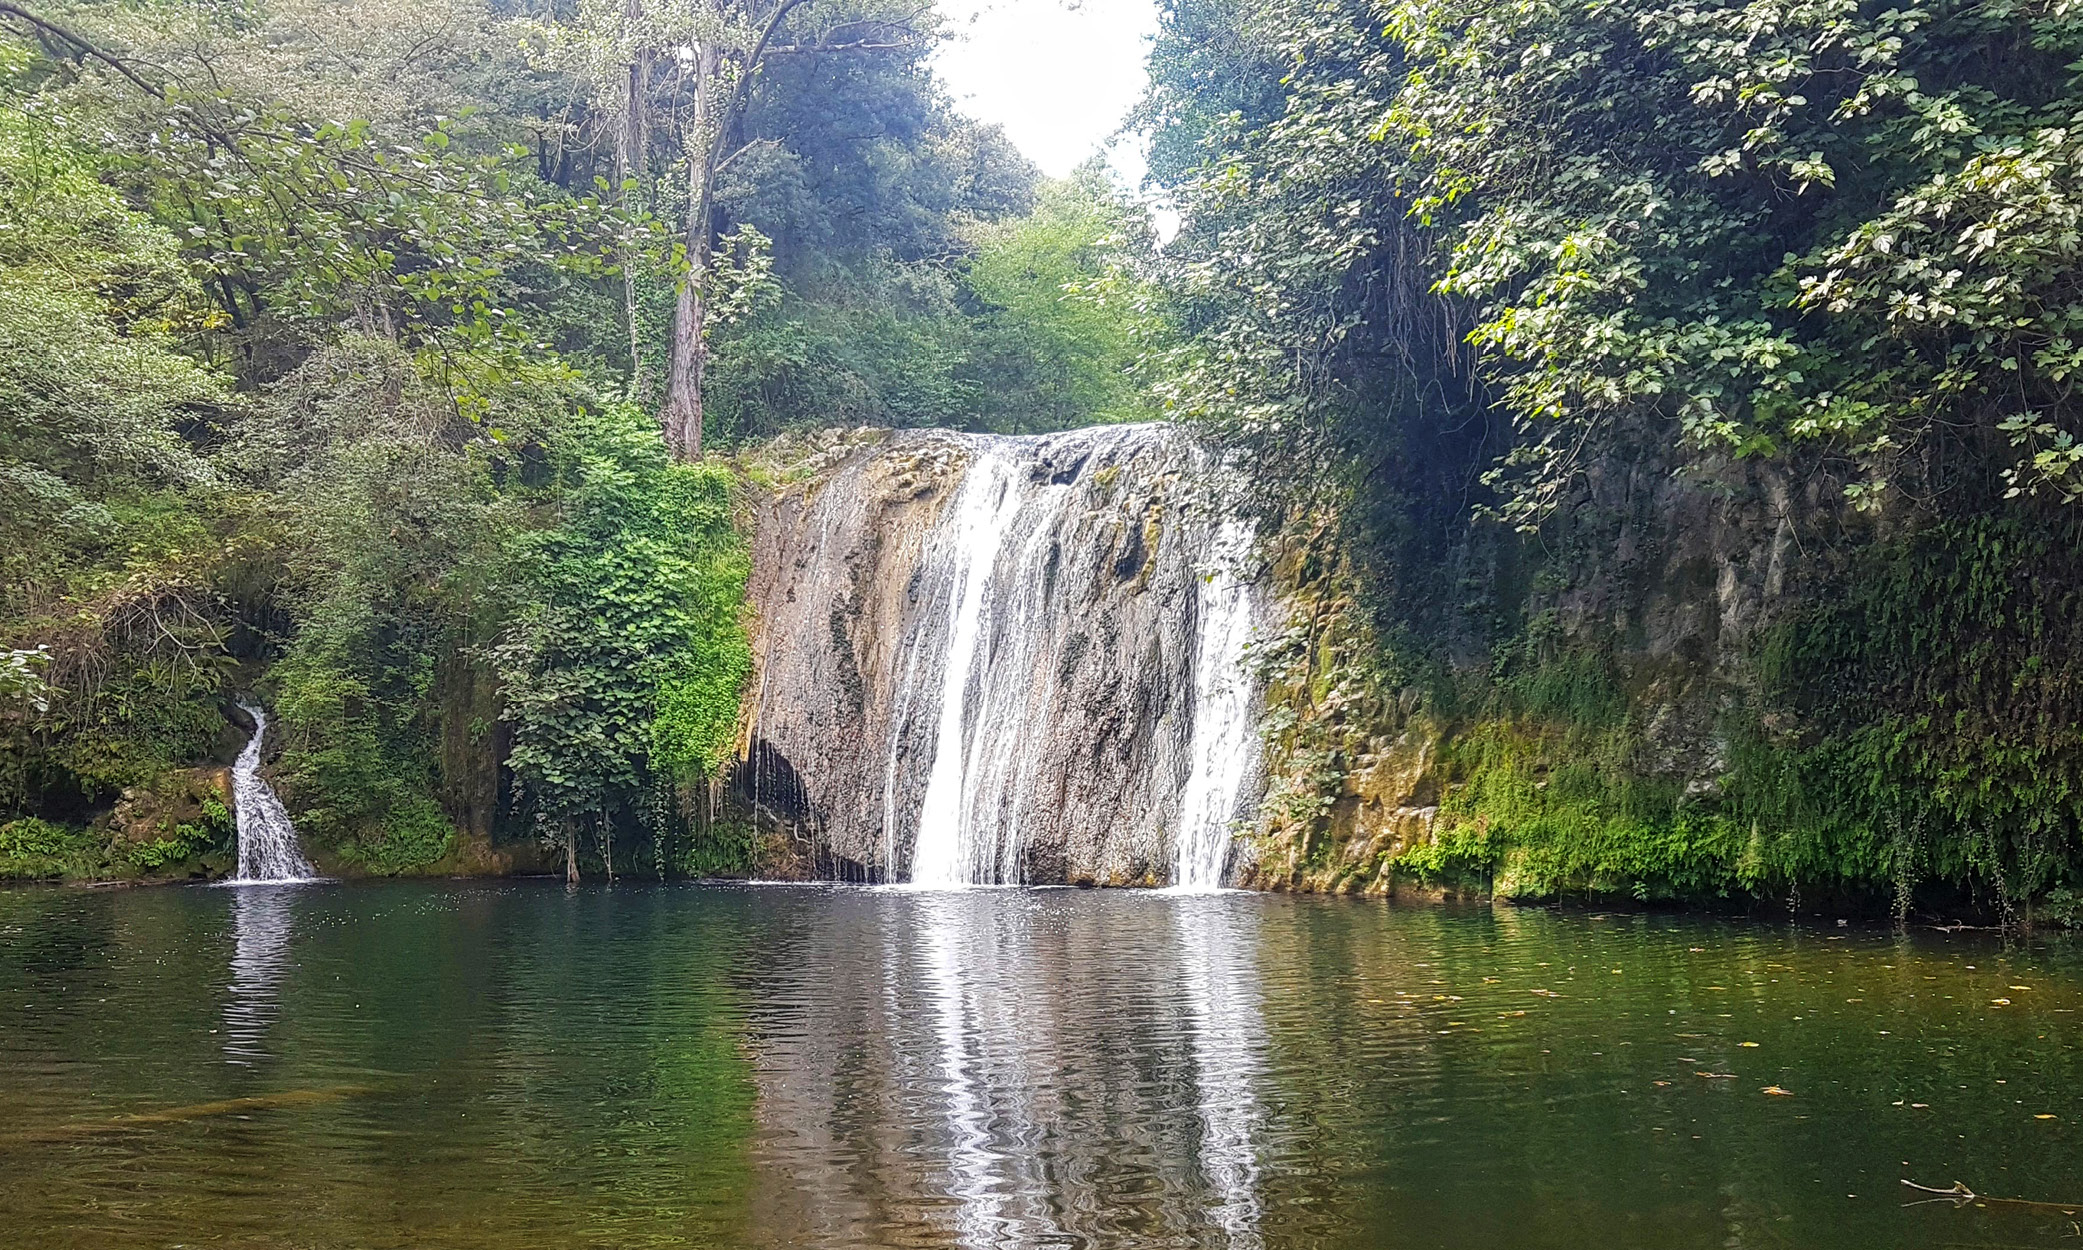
[(989, 659), (986, 505), (268, 848), (1223, 741)]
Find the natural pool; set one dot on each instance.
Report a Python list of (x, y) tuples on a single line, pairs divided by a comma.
[(515, 1066)]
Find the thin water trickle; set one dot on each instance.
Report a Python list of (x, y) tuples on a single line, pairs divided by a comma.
[(268, 850)]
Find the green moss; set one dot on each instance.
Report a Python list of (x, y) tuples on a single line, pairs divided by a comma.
[(413, 836), (725, 848), (1937, 711), (1922, 727)]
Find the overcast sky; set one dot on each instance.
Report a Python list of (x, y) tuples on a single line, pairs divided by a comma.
[(1059, 75)]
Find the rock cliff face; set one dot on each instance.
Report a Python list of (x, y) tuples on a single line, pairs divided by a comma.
[(1004, 659), (1060, 659)]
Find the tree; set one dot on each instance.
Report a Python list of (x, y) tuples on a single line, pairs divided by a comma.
[(711, 53), (1059, 309)]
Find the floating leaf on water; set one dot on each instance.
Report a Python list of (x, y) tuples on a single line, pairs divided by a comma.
[(1752, 1045), (1777, 1091), (2046, 1116)]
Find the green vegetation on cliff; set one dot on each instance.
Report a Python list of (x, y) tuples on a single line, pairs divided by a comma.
[(1693, 384), (1664, 409)]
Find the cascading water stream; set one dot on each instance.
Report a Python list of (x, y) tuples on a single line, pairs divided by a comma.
[(268, 850), (1222, 740), (943, 855)]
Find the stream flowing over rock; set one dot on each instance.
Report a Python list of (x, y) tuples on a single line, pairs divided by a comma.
[(988, 659), (268, 850)]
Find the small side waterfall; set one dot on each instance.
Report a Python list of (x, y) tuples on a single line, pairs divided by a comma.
[(268, 850), (999, 660)]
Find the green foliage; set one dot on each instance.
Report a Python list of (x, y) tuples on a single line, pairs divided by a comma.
[(1941, 706), (1057, 335), (387, 529), (33, 849), (1038, 327), (1770, 224), (873, 342), (725, 848), (101, 545), (416, 835), (628, 655)]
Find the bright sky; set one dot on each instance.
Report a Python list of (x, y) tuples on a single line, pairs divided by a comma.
[(1059, 75)]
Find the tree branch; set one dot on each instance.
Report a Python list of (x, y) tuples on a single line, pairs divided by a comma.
[(87, 47), (859, 45)]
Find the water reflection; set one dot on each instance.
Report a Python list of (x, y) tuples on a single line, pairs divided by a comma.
[(261, 919), (957, 986), (1012, 1070), (509, 1067), (1219, 958)]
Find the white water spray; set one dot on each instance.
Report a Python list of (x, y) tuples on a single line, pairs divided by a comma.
[(946, 853), (1222, 743), (268, 850)]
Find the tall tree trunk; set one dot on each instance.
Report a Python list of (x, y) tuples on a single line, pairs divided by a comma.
[(682, 414), (571, 855), (630, 162)]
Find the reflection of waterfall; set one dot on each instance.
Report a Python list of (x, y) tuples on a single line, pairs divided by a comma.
[(990, 659), (1220, 980), (267, 841), (1221, 747), (1015, 1068), (260, 955), (979, 1168)]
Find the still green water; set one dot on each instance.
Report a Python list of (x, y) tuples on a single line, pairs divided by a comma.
[(514, 1066)]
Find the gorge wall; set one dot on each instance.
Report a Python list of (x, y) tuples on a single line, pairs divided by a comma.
[(994, 659)]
